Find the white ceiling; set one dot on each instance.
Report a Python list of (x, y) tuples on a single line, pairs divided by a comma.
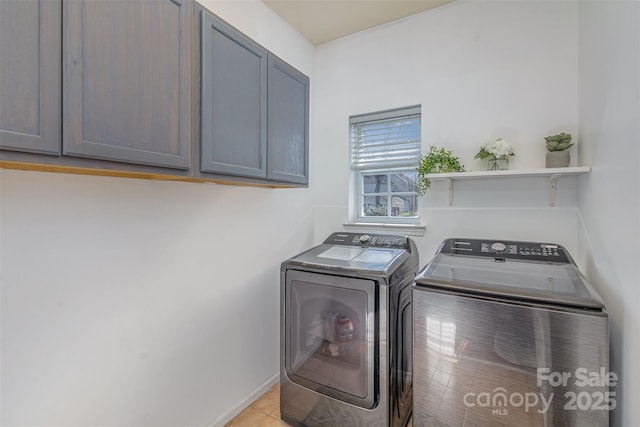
[(321, 21)]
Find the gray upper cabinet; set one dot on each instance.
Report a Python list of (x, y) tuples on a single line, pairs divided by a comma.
[(30, 76), (255, 109), (288, 123), (234, 101), (123, 86), (126, 88)]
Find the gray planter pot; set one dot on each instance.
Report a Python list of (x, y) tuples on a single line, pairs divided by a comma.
[(558, 159)]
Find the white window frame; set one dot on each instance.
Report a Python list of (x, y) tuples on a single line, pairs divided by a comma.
[(388, 194), (359, 172)]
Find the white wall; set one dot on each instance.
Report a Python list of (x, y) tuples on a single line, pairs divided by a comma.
[(145, 303), (609, 135), (156, 303), (481, 70)]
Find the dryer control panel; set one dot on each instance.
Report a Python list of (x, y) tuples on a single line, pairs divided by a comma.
[(531, 251), (368, 240)]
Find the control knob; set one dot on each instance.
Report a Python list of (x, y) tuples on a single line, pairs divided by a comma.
[(498, 247), (365, 238)]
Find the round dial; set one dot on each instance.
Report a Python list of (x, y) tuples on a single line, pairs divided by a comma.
[(364, 238), (498, 247)]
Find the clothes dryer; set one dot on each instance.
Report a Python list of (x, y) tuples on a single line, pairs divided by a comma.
[(346, 319)]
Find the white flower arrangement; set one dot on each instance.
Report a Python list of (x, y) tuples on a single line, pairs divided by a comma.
[(498, 149)]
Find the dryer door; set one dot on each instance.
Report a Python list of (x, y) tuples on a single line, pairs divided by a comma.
[(329, 335)]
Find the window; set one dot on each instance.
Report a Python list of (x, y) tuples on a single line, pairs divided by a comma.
[(385, 154)]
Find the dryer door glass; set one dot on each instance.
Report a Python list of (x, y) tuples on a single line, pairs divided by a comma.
[(329, 324)]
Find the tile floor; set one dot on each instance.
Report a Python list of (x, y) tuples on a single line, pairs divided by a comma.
[(264, 412)]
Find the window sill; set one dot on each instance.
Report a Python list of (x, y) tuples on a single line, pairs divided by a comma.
[(406, 229)]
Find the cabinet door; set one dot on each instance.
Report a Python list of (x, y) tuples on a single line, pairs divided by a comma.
[(126, 89), (30, 75), (288, 123), (234, 101)]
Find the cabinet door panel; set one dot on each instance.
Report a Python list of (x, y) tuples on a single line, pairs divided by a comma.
[(288, 123), (30, 75), (234, 106), (126, 86)]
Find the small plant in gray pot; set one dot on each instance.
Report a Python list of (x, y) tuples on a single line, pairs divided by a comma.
[(558, 146)]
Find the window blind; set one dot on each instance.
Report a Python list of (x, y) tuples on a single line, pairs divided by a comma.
[(386, 139)]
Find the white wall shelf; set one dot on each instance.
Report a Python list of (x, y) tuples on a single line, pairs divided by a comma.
[(553, 173)]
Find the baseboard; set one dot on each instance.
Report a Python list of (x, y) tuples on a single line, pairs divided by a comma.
[(246, 402)]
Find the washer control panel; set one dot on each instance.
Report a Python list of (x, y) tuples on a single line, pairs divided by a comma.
[(368, 240), (500, 250)]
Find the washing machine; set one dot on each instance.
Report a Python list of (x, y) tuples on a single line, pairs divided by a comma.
[(346, 332), (509, 333)]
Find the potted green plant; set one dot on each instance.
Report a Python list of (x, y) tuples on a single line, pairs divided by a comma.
[(437, 160), (557, 146)]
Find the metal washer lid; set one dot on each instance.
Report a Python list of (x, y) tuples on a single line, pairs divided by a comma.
[(548, 283)]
